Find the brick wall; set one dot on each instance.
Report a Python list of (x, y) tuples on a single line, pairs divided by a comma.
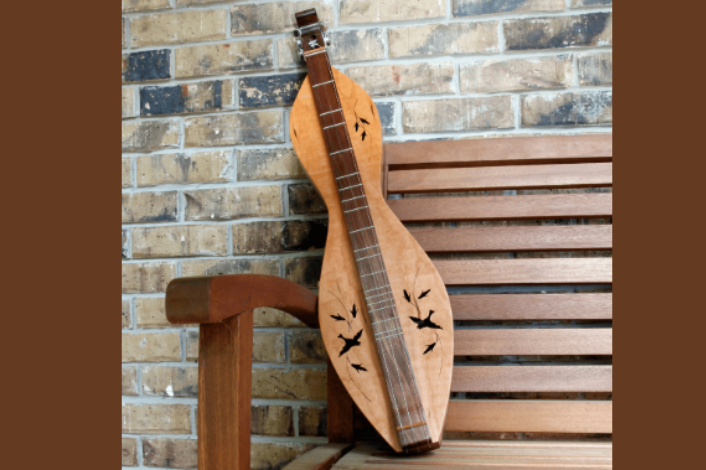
[(211, 184)]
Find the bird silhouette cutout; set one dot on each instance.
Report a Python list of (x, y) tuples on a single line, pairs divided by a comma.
[(354, 311), (337, 317), (407, 297), (424, 294), (430, 347), (359, 367), (426, 323), (350, 342)]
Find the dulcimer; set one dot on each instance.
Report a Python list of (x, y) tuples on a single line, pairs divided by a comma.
[(384, 312)]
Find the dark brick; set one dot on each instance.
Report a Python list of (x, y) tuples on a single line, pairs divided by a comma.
[(313, 421), (125, 247), (147, 65), (187, 98), (305, 271), (304, 199), (271, 420), (594, 29), (568, 109), (307, 347), (488, 7), (273, 90), (174, 453), (279, 236), (386, 111)]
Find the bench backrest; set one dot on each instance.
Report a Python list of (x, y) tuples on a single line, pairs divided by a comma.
[(525, 254)]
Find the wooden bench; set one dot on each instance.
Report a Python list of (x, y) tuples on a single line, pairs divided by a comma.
[(533, 336)]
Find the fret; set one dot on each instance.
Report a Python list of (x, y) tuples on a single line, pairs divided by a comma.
[(322, 83), (378, 295), (340, 151), (381, 301), (361, 229), (382, 333), (349, 187), (314, 53), (380, 321), (357, 197), (371, 256), (370, 274), (376, 288), (367, 247), (335, 125), (346, 176), (332, 111), (380, 338), (356, 209), (376, 309)]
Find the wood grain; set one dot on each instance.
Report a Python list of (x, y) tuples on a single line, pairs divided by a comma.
[(560, 416), (534, 342), (532, 307), (532, 379), (523, 238), (508, 151), (526, 271), (549, 206), (320, 458), (498, 178)]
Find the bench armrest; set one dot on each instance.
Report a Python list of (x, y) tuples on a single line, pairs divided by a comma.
[(212, 299)]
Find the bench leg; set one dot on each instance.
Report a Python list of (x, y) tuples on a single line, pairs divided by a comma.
[(339, 409), (225, 389)]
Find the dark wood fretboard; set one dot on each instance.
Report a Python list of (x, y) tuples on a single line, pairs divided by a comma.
[(392, 350)]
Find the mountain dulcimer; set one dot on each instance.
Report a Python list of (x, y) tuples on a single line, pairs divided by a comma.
[(384, 312)]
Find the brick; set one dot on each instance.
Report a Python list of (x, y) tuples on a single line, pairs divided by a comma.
[(147, 66), (305, 271), (166, 452), (149, 207), (268, 347), (180, 168), (147, 136), (589, 3), (269, 90), (124, 33), (150, 313), (268, 266), (201, 97), (192, 346), (568, 109), (224, 59), (178, 28), (126, 173), (279, 236), (596, 69), (128, 105), (156, 419), (179, 241), (126, 247), (264, 317), (274, 456), (163, 381), (305, 200), (181, 3), (444, 39), (516, 74), (313, 421), (386, 112), (268, 18), (346, 46), (129, 381), (271, 420), (144, 5), (485, 7), (304, 384), (455, 115), (269, 164), (234, 203), (129, 452), (127, 321), (306, 347), (264, 127), (404, 79), (594, 29), (377, 11), (147, 278), (151, 347)]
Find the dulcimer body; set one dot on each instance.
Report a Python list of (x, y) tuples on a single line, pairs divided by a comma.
[(359, 342)]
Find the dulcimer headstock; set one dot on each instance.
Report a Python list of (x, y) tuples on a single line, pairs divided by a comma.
[(311, 34)]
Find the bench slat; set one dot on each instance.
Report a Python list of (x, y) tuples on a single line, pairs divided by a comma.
[(525, 271), (534, 342), (497, 178), (519, 150), (532, 379), (523, 238), (532, 307), (530, 416), (545, 206)]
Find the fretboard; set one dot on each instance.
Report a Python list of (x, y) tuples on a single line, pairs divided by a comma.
[(382, 311)]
